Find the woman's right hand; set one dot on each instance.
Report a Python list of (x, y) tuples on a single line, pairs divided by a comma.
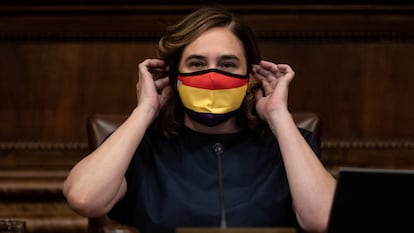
[(152, 95)]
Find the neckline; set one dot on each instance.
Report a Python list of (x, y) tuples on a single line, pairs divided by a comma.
[(194, 132)]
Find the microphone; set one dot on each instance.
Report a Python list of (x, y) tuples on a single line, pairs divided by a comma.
[(218, 149)]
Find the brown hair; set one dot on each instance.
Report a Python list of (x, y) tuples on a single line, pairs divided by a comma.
[(171, 46)]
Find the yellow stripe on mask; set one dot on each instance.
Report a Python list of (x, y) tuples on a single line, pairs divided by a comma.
[(212, 101)]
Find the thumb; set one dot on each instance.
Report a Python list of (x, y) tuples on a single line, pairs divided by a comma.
[(163, 89), (165, 93)]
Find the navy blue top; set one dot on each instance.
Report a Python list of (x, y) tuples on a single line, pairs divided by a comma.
[(174, 183)]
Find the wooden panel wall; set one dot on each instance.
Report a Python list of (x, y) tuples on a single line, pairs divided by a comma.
[(61, 62)]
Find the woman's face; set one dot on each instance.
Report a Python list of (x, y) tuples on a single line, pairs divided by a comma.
[(217, 48)]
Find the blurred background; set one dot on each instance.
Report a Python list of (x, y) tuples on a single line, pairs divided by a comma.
[(61, 62)]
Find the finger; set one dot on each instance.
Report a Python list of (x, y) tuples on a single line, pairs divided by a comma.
[(275, 68), (259, 94), (165, 95), (267, 87), (143, 69), (267, 83), (269, 66), (268, 73), (279, 70), (155, 63), (286, 71), (163, 89), (160, 84), (285, 68), (145, 78), (153, 66)]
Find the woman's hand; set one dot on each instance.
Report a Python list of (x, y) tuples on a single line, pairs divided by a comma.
[(275, 80), (152, 95)]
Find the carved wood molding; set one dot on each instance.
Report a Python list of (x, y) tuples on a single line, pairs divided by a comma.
[(49, 146), (369, 144), (349, 144), (136, 22)]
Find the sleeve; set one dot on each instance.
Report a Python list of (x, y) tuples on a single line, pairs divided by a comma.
[(122, 210), (312, 141), (125, 210)]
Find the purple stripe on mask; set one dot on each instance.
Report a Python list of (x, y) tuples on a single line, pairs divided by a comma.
[(209, 119)]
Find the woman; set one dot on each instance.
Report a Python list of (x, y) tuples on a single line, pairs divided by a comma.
[(158, 170)]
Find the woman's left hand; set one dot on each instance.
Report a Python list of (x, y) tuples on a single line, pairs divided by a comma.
[(275, 80)]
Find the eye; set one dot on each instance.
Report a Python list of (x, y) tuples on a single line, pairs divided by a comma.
[(228, 65), (196, 64)]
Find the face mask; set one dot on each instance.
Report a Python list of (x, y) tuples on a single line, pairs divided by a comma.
[(211, 96)]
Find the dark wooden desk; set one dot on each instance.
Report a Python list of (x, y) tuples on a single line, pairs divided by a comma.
[(235, 230)]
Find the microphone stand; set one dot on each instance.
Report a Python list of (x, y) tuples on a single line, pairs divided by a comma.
[(218, 149)]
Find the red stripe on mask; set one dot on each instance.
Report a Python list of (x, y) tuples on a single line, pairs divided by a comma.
[(212, 81)]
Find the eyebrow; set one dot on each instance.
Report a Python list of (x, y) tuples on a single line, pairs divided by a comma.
[(229, 57), (195, 56), (222, 57)]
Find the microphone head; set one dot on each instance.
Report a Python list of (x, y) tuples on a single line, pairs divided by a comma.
[(218, 148)]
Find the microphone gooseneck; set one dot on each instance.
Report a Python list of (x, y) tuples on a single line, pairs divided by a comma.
[(218, 149)]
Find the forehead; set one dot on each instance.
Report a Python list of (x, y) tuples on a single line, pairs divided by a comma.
[(215, 42)]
